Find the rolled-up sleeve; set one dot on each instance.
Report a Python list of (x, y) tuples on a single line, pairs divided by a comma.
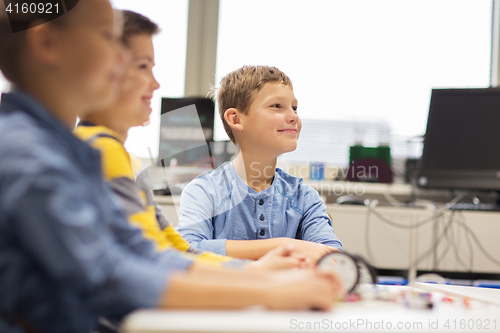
[(315, 225), (195, 221)]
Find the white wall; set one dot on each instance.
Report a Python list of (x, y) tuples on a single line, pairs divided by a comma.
[(4, 84), (363, 59)]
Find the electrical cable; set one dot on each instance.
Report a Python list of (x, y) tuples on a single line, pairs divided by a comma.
[(424, 255), (481, 248), (393, 201), (476, 240), (446, 208), (467, 239), (446, 249), (454, 245), (434, 254), (371, 207), (367, 234)]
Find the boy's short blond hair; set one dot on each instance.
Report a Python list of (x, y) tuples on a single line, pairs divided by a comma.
[(239, 88)]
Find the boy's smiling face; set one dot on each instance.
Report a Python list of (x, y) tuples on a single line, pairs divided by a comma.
[(138, 84), (144, 61), (271, 124)]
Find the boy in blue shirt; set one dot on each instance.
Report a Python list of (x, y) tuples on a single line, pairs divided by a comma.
[(67, 251), (248, 206)]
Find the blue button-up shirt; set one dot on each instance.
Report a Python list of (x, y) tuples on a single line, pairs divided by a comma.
[(219, 205), (67, 252)]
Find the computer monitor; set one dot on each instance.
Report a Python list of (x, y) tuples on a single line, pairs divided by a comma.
[(186, 128), (180, 129), (462, 141)]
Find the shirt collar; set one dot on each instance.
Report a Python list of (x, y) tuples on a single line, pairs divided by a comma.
[(244, 186), (19, 101), (105, 129), (86, 123)]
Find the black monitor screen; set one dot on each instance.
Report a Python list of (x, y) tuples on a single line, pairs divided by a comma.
[(461, 142), (186, 127)]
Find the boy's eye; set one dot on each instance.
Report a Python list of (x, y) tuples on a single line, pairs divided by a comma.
[(276, 106), (294, 108)]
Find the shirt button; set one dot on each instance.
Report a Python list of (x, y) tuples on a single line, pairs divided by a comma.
[(262, 217), (261, 202), (262, 232)]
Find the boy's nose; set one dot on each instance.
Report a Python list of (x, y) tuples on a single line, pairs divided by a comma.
[(292, 117), (156, 85)]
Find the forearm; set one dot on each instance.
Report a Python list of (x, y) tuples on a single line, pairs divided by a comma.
[(326, 237), (248, 274), (216, 290), (253, 249)]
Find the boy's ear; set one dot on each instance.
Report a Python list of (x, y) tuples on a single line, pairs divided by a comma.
[(42, 44), (233, 118)]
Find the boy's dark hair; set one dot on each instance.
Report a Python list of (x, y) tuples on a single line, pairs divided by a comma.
[(137, 24), (12, 45), (239, 88)]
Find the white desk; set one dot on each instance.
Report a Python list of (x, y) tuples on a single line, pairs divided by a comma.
[(488, 295), (353, 317)]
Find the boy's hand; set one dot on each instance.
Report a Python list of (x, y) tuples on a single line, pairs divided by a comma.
[(303, 289), (257, 248), (282, 257), (310, 249)]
